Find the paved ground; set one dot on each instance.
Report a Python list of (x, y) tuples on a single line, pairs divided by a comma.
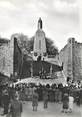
[(54, 110)]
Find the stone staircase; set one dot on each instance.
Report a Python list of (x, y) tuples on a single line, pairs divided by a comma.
[(61, 77), (52, 60), (60, 74)]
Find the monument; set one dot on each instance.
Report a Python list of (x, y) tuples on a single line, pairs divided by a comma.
[(39, 50)]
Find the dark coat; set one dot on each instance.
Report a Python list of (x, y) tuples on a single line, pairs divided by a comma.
[(65, 101), (45, 95), (16, 108), (35, 99)]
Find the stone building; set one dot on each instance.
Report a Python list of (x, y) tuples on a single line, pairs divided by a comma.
[(71, 57)]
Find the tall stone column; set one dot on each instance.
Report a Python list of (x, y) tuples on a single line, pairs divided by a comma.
[(71, 52)]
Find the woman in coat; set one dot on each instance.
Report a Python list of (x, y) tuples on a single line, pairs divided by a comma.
[(45, 98), (35, 100), (16, 107), (65, 103)]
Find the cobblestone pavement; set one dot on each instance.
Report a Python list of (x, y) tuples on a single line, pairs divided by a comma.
[(53, 110)]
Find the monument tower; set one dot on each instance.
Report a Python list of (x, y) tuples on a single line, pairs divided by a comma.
[(39, 42)]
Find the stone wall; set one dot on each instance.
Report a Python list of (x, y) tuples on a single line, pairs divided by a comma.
[(71, 57), (78, 60), (10, 57), (6, 57)]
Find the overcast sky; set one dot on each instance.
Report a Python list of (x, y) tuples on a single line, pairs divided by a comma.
[(60, 18)]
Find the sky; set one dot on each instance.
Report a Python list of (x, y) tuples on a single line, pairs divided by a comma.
[(61, 19)]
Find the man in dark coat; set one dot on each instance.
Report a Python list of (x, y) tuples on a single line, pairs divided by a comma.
[(65, 102), (35, 100), (16, 107), (6, 100), (45, 98), (78, 98)]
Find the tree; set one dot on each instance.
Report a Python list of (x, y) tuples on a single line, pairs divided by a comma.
[(27, 44), (30, 44), (51, 48), (22, 41)]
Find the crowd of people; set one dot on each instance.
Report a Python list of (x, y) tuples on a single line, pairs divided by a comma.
[(12, 97)]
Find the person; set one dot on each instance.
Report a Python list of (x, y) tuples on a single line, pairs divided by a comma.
[(56, 94), (15, 107), (65, 103), (45, 98), (78, 99), (71, 100), (35, 100), (11, 91), (6, 101), (60, 96), (0, 96)]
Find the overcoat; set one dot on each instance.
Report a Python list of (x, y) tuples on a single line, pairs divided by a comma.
[(16, 108)]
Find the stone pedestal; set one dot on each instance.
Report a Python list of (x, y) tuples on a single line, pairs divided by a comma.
[(39, 43)]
